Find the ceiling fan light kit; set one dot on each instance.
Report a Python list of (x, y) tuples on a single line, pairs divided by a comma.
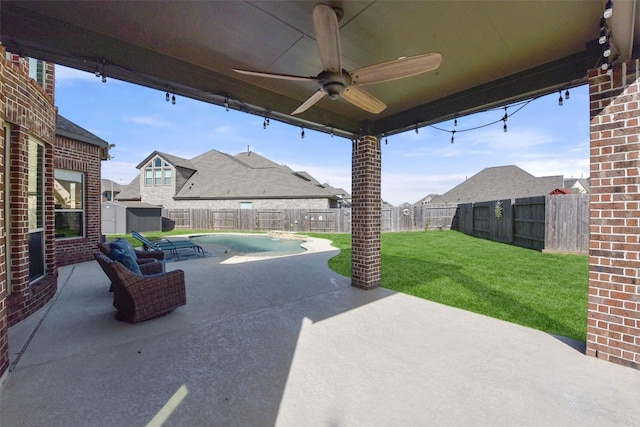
[(335, 82)]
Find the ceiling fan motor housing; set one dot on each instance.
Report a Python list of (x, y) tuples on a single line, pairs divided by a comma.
[(334, 83)]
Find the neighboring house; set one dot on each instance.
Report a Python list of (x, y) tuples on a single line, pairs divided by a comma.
[(109, 190), (498, 183), (215, 180), (49, 191), (578, 186)]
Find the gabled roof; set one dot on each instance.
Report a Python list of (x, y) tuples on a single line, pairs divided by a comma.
[(245, 175), (66, 128), (174, 161), (130, 191), (501, 182), (571, 182)]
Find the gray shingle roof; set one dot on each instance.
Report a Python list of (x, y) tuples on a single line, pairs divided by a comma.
[(68, 129), (497, 183), (170, 158), (221, 176)]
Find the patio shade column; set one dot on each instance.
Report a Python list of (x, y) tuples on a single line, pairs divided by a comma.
[(365, 217), (613, 323)]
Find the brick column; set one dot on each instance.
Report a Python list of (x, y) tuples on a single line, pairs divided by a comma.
[(613, 325), (365, 217)]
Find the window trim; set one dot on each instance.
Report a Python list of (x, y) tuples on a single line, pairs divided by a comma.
[(154, 175), (82, 210)]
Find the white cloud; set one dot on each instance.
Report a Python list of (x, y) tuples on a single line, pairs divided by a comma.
[(151, 121), (120, 172), (67, 76)]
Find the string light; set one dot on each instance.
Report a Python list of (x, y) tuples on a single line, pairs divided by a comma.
[(226, 103), (386, 141), (566, 95), (331, 132), (302, 134), (166, 97), (173, 99), (417, 128), (504, 119), (264, 124), (560, 99), (608, 9)]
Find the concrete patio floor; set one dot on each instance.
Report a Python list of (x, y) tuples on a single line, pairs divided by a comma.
[(288, 342)]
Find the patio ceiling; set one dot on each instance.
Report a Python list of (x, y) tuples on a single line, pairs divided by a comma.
[(494, 52)]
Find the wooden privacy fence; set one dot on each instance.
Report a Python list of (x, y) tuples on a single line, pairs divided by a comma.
[(558, 223), (308, 220), (553, 223)]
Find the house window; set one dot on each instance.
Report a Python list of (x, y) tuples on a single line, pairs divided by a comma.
[(69, 199), (36, 70), (246, 205), (35, 205), (157, 173)]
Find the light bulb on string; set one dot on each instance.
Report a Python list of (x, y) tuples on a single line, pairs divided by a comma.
[(560, 99), (417, 129), (166, 97), (302, 134), (504, 119), (608, 10), (226, 103), (173, 99), (453, 134), (264, 123), (566, 95)]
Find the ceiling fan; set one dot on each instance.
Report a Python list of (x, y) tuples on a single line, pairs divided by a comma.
[(335, 81)]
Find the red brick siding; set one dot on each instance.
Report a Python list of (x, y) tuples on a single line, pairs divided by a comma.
[(29, 109), (365, 220), (81, 157), (613, 324)]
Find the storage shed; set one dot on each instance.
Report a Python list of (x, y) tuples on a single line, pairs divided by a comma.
[(123, 217)]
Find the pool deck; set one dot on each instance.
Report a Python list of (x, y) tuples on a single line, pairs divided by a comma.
[(288, 342)]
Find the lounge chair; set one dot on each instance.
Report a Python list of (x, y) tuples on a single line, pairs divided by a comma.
[(138, 297), (165, 244)]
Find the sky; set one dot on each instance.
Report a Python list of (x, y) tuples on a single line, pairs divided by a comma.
[(542, 138)]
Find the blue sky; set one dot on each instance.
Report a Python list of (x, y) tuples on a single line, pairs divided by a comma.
[(543, 138)]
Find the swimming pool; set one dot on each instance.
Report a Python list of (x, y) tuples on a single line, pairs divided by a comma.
[(252, 244)]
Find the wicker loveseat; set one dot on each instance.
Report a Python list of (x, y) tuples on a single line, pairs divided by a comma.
[(138, 297)]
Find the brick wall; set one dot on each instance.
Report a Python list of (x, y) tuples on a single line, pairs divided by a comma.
[(366, 204), (28, 108), (85, 158), (613, 329), (4, 311)]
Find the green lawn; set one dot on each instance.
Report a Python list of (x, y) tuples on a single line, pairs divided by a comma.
[(543, 291)]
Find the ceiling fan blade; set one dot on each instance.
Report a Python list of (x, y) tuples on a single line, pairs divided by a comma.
[(325, 24), (309, 102), (274, 75), (364, 100), (397, 69)]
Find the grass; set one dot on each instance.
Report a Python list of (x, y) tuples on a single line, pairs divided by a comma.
[(539, 290)]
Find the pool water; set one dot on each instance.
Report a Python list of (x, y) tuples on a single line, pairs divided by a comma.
[(252, 244)]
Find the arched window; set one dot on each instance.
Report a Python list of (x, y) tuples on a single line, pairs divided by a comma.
[(157, 173)]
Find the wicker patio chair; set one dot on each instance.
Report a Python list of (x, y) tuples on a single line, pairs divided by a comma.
[(149, 263), (143, 256), (139, 298)]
